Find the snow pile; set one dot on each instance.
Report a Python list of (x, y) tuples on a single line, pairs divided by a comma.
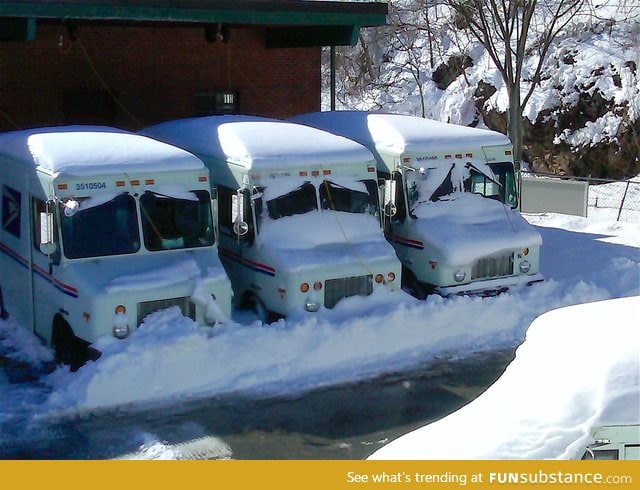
[(171, 359), (331, 237), (408, 134), (578, 369), (180, 269), (61, 150), (466, 226), (19, 344), (259, 142)]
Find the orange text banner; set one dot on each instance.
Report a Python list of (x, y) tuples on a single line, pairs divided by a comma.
[(325, 475)]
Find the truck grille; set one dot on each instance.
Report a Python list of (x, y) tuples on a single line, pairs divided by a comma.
[(337, 289), (495, 266), (186, 306)]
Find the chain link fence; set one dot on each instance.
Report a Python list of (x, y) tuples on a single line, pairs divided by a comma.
[(607, 199)]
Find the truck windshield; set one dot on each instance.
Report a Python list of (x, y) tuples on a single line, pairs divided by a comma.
[(110, 228), (299, 201), (172, 223), (437, 185), (339, 198)]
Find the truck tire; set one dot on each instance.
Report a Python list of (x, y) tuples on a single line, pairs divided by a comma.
[(69, 349), (413, 286), (259, 308), (4, 314)]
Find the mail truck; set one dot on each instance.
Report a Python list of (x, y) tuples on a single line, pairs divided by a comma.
[(101, 227), (298, 212), (451, 201)]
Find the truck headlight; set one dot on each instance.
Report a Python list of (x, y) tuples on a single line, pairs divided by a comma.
[(120, 327), (459, 275), (120, 330), (311, 305), (525, 266)]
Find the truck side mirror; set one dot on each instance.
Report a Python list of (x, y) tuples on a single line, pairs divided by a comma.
[(240, 226), (389, 206), (47, 243)]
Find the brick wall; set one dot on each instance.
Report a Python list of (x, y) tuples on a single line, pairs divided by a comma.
[(132, 76)]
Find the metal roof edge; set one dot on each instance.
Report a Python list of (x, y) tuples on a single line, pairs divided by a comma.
[(275, 12)]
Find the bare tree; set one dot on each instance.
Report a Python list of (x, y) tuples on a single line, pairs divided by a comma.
[(510, 31)]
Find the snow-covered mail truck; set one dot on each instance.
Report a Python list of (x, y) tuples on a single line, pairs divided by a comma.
[(298, 211), (450, 201), (101, 227)]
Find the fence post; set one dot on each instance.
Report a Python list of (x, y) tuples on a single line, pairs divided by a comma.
[(624, 196)]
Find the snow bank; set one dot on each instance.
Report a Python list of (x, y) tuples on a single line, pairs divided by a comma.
[(468, 226), (578, 369), (331, 237), (171, 359), (100, 150)]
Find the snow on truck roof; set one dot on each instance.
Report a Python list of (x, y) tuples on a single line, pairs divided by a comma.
[(88, 150), (400, 133), (257, 142)]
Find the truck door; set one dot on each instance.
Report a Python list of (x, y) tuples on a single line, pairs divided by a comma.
[(15, 260), (230, 246), (48, 289)]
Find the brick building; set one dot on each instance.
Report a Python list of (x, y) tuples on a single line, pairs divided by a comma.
[(135, 63)]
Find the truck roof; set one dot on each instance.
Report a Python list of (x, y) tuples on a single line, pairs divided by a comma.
[(90, 150), (259, 143), (401, 133)]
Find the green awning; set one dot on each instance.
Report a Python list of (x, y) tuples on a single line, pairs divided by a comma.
[(271, 12)]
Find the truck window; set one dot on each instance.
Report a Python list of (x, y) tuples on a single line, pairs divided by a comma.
[(506, 176), (110, 228), (606, 454), (172, 223), (338, 198), (505, 192), (224, 209), (299, 201), (480, 184), (401, 212)]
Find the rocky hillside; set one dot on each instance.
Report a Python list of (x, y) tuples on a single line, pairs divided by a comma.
[(582, 119)]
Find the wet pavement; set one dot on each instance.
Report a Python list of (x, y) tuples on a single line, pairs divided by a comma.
[(337, 422)]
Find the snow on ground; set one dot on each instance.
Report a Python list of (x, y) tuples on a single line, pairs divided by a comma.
[(616, 201), (171, 359), (578, 370), (604, 37)]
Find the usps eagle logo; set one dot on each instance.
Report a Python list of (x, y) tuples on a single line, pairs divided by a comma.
[(11, 211)]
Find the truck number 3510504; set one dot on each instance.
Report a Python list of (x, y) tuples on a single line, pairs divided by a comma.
[(83, 186)]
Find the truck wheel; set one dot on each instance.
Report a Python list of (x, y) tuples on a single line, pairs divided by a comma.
[(413, 286), (4, 314), (255, 304), (259, 308), (69, 349)]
